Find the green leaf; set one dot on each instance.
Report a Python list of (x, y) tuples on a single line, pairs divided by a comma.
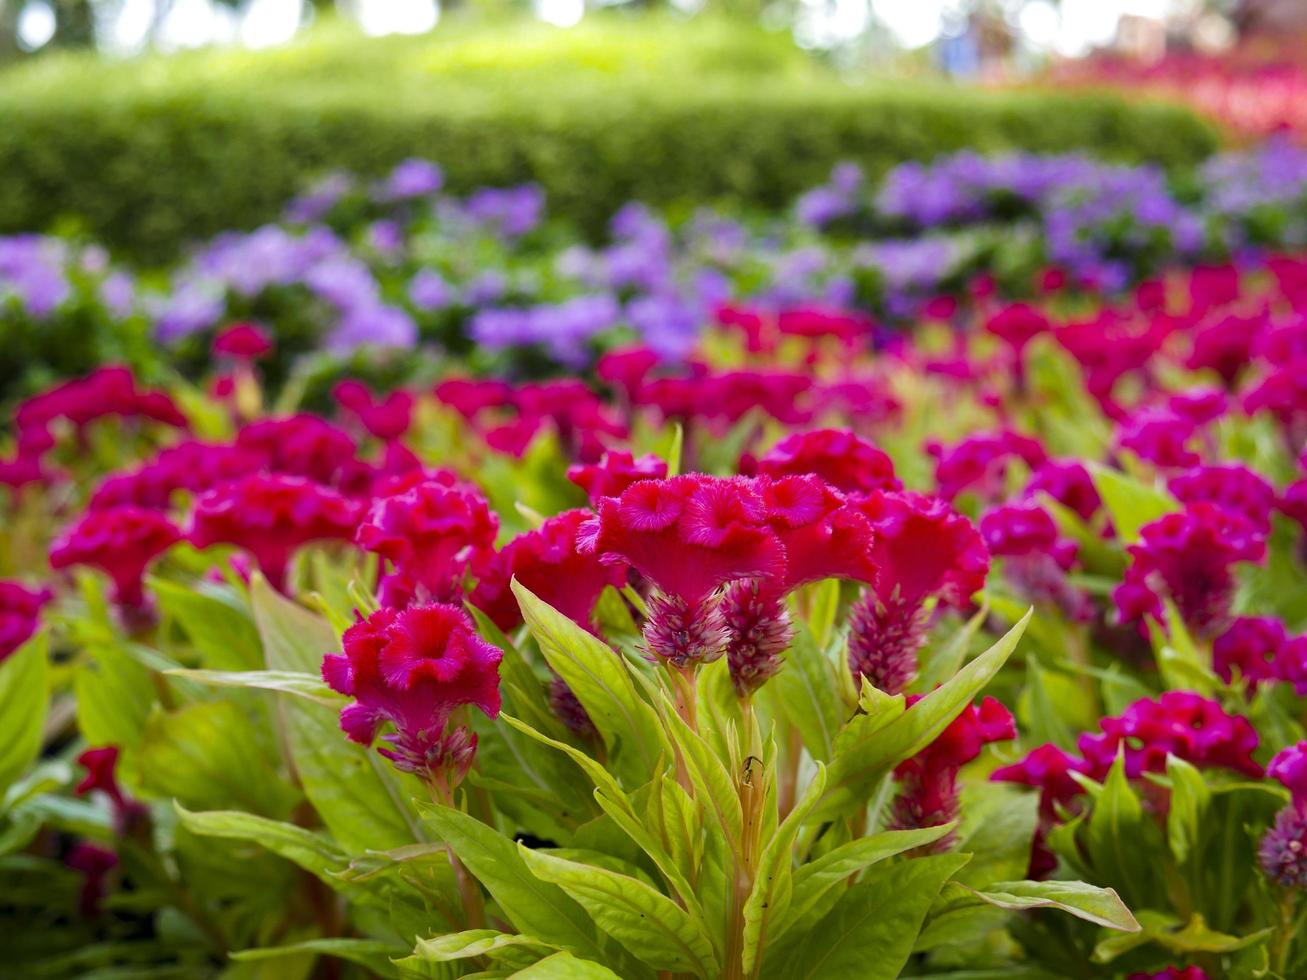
[(714, 787), (863, 759), (310, 851), (1130, 503), (1195, 937), (1101, 906), (363, 802), (565, 966), (114, 696), (373, 954), (1118, 836), (1178, 660), (535, 907), (209, 756), (870, 932), (773, 885), (649, 924), (472, 943), (217, 622), (1190, 799), (598, 677), (942, 662), (814, 881), (807, 695), (675, 446), (306, 686), (24, 698)]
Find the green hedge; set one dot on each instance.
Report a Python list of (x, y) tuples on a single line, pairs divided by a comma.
[(148, 154)]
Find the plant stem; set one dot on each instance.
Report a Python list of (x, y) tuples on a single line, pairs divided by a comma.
[(1284, 935), (469, 892)]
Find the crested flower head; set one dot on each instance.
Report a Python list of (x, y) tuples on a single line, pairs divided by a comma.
[(548, 563), (385, 418), (430, 533), (20, 611), (923, 547), (1068, 482), (1283, 851), (243, 341), (845, 461), (689, 535), (822, 535), (1022, 529), (1161, 437), (1017, 325), (104, 392), (1251, 645), (928, 790), (412, 668), (191, 465), (271, 516), (1188, 557), (300, 445), (120, 541), (1233, 488), (615, 471), (979, 462)]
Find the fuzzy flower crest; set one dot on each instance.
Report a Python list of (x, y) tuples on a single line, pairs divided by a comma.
[(845, 461), (924, 547), (121, 542)]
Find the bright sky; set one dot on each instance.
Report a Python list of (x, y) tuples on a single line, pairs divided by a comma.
[(1079, 26)]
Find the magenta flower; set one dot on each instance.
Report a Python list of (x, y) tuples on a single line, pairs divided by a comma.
[(243, 342), (101, 765), (1160, 437), (430, 534), (191, 466), (1017, 325), (1283, 850), (272, 516), (1225, 346), (1233, 488), (95, 864), (1069, 483), (300, 445), (385, 418), (1172, 973), (845, 461), (548, 562), (411, 669), (615, 471), (104, 392), (1188, 557), (121, 542), (979, 462), (1048, 769), (928, 782), (20, 614), (1021, 530), (1251, 645)]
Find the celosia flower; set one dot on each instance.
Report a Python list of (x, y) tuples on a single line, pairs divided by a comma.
[(300, 445), (430, 534), (922, 548), (547, 562), (1178, 723), (615, 471), (100, 765), (625, 369), (689, 536), (979, 462), (1252, 646), (271, 516), (1036, 559), (1293, 502), (121, 542), (1172, 973), (1017, 325), (470, 398), (243, 341), (412, 668), (928, 782), (1049, 770), (1225, 346), (1159, 437), (1232, 488), (20, 611), (1189, 558), (839, 457), (1069, 483), (192, 466), (105, 391), (1199, 405), (386, 419), (1283, 850)]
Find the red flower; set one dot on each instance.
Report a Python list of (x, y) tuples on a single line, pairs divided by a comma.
[(1251, 645), (547, 562), (928, 792), (271, 516), (839, 457), (924, 547), (823, 536), (1017, 325), (20, 611), (625, 369), (412, 668), (105, 391), (386, 419), (300, 445), (243, 341), (193, 466), (615, 471), (430, 533), (100, 765), (979, 462), (121, 542), (470, 398)]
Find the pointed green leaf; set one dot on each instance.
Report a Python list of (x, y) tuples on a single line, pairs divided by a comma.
[(1190, 799), (370, 953), (1101, 906), (1130, 503), (806, 693), (24, 697), (565, 966), (870, 932), (860, 762), (217, 622), (649, 924), (293, 682), (473, 943), (598, 677)]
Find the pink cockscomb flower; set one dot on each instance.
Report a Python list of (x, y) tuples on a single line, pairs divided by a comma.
[(1250, 645), (20, 612), (191, 466), (548, 563), (122, 542), (104, 392), (271, 516), (1160, 437), (1036, 558), (922, 548), (1225, 346), (430, 534), (689, 536), (1188, 557), (1068, 482), (412, 668), (823, 537), (1233, 488), (1048, 769), (299, 445), (615, 471), (978, 463), (101, 777), (928, 782), (1282, 853), (845, 461), (469, 398), (243, 341), (385, 418)]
